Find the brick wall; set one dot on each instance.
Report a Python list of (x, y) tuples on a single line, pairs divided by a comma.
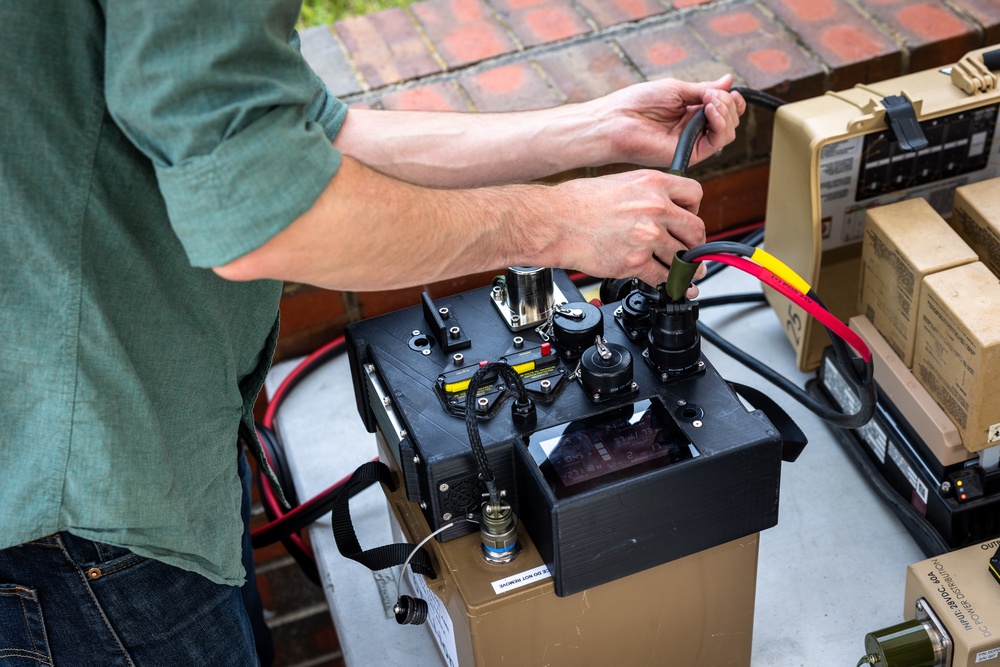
[(506, 55)]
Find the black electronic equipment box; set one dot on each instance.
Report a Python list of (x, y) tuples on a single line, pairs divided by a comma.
[(633, 458), (943, 507)]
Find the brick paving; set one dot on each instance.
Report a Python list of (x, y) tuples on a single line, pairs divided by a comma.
[(793, 48)]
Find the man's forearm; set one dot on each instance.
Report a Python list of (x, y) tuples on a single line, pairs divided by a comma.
[(637, 125), (471, 149), (368, 231)]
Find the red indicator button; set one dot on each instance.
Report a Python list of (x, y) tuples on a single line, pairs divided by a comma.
[(546, 349)]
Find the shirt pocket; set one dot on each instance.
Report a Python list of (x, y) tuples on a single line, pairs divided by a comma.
[(23, 642)]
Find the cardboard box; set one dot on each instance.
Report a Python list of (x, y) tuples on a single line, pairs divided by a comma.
[(977, 219), (915, 405), (957, 355), (903, 243)]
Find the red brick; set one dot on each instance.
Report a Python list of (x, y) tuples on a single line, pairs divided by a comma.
[(537, 22), (734, 199), (986, 13), (432, 97), (587, 71), (607, 13), (371, 304), (681, 4), (515, 87), (933, 34), (321, 50), (303, 639), (463, 31), (310, 317), (386, 47), (760, 52), (855, 50), (671, 51)]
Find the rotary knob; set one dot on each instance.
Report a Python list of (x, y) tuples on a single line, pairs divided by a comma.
[(575, 325), (606, 370)]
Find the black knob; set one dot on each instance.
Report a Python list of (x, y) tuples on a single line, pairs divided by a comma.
[(606, 370), (575, 326)]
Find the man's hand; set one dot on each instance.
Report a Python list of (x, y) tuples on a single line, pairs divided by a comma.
[(369, 231), (619, 226), (408, 207), (637, 125), (642, 123)]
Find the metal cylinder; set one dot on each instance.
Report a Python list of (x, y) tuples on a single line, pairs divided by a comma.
[(529, 292), (499, 533), (909, 644)]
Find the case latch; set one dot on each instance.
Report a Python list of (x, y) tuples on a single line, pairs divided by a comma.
[(902, 120), (974, 73)]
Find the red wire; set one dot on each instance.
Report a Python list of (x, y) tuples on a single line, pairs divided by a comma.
[(293, 377), (267, 493), (295, 511), (735, 231), (805, 302)]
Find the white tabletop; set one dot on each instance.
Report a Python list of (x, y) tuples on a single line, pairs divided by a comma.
[(832, 570)]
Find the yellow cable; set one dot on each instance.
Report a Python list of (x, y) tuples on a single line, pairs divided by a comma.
[(778, 268)]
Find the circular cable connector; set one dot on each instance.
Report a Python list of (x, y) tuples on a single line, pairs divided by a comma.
[(410, 610)]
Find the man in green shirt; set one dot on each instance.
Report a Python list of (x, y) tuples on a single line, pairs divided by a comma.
[(162, 167)]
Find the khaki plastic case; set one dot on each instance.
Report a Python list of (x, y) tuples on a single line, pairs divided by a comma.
[(696, 611), (794, 229)]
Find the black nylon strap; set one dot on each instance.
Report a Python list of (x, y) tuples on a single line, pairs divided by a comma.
[(381, 557), (793, 440)]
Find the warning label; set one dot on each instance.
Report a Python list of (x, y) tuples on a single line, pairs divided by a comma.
[(521, 579)]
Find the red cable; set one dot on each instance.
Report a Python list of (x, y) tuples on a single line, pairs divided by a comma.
[(296, 511), (292, 378), (805, 302), (267, 493), (735, 231)]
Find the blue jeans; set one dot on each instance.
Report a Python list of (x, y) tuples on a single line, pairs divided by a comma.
[(251, 596), (69, 602)]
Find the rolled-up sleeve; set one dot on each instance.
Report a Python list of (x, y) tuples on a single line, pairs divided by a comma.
[(237, 125)]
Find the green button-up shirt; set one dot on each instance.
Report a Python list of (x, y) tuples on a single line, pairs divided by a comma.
[(140, 144)]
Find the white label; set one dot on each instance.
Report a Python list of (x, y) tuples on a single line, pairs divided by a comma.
[(992, 654), (438, 619), (908, 472), (875, 438), (521, 579), (871, 433), (993, 433)]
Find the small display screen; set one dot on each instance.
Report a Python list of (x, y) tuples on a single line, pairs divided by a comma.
[(602, 447)]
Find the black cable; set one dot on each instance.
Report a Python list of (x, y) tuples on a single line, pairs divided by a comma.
[(511, 380), (305, 561), (759, 98), (275, 453), (821, 410), (695, 126), (752, 239), (687, 140), (293, 522), (923, 532), (730, 299)]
